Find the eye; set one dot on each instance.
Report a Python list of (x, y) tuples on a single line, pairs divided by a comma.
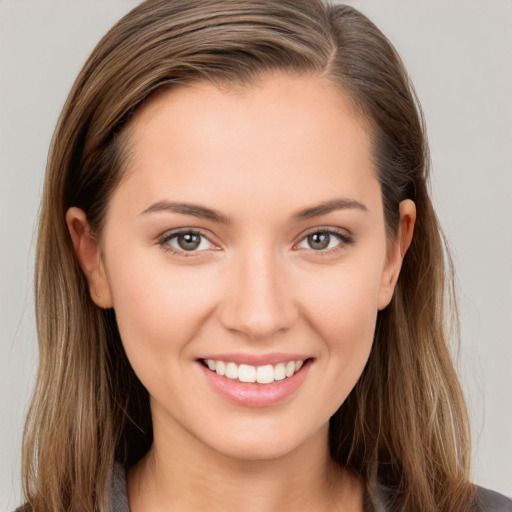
[(186, 241), (323, 240)]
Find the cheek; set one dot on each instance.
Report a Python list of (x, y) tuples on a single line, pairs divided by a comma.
[(159, 308), (344, 312), (343, 305), (349, 326)]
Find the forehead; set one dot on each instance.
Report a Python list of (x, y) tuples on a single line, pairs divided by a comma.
[(293, 134), (271, 105)]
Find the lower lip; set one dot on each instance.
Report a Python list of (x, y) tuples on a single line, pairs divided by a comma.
[(255, 395)]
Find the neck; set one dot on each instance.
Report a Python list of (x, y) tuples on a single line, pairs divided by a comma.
[(181, 473)]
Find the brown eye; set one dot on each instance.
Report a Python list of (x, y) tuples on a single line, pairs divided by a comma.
[(319, 241), (325, 240), (188, 241)]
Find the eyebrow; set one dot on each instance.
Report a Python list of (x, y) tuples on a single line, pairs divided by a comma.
[(188, 209), (215, 216), (328, 207)]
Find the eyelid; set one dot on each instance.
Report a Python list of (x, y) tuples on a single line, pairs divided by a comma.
[(346, 238), (164, 238)]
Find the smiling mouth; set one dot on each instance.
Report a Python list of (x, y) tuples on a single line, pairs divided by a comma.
[(265, 374)]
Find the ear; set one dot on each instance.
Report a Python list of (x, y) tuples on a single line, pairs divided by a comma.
[(396, 252), (88, 254)]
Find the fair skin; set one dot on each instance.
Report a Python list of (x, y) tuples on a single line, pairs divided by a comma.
[(282, 256)]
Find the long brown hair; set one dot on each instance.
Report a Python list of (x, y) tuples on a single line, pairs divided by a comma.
[(404, 428)]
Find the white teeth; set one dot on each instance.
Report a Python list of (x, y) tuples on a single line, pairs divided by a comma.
[(261, 374), (246, 373), (220, 367), (232, 371), (265, 374), (280, 371)]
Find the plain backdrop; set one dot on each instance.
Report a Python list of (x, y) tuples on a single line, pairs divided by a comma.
[(459, 54)]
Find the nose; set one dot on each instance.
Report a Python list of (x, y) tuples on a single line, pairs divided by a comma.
[(258, 300)]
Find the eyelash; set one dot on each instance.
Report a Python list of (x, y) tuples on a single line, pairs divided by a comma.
[(164, 240), (344, 240)]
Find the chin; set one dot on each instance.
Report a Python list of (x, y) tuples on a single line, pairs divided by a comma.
[(256, 449), (266, 443)]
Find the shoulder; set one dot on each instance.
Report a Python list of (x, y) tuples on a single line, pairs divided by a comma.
[(382, 499), (490, 501), (118, 492), (118, 495)]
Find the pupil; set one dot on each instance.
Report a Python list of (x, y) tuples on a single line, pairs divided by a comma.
[(189, 241), (319, 241)]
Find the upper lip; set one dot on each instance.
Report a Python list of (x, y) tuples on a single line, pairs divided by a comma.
[(257, 359)]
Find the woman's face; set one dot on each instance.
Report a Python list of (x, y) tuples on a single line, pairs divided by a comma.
[(247, 235)]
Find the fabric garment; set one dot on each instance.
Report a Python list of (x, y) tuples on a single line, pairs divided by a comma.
[(488, 501), (118, 492)]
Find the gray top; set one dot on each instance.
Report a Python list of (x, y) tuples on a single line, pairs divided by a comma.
[(491, 501), (488, 501), (118, 492)]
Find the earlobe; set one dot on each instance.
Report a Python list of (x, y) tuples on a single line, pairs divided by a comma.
[(88, 254), (396, 254)]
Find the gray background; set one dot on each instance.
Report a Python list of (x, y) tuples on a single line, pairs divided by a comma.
[(459, 54)]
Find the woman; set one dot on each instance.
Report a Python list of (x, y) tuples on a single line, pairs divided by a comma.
[(240, 276)]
